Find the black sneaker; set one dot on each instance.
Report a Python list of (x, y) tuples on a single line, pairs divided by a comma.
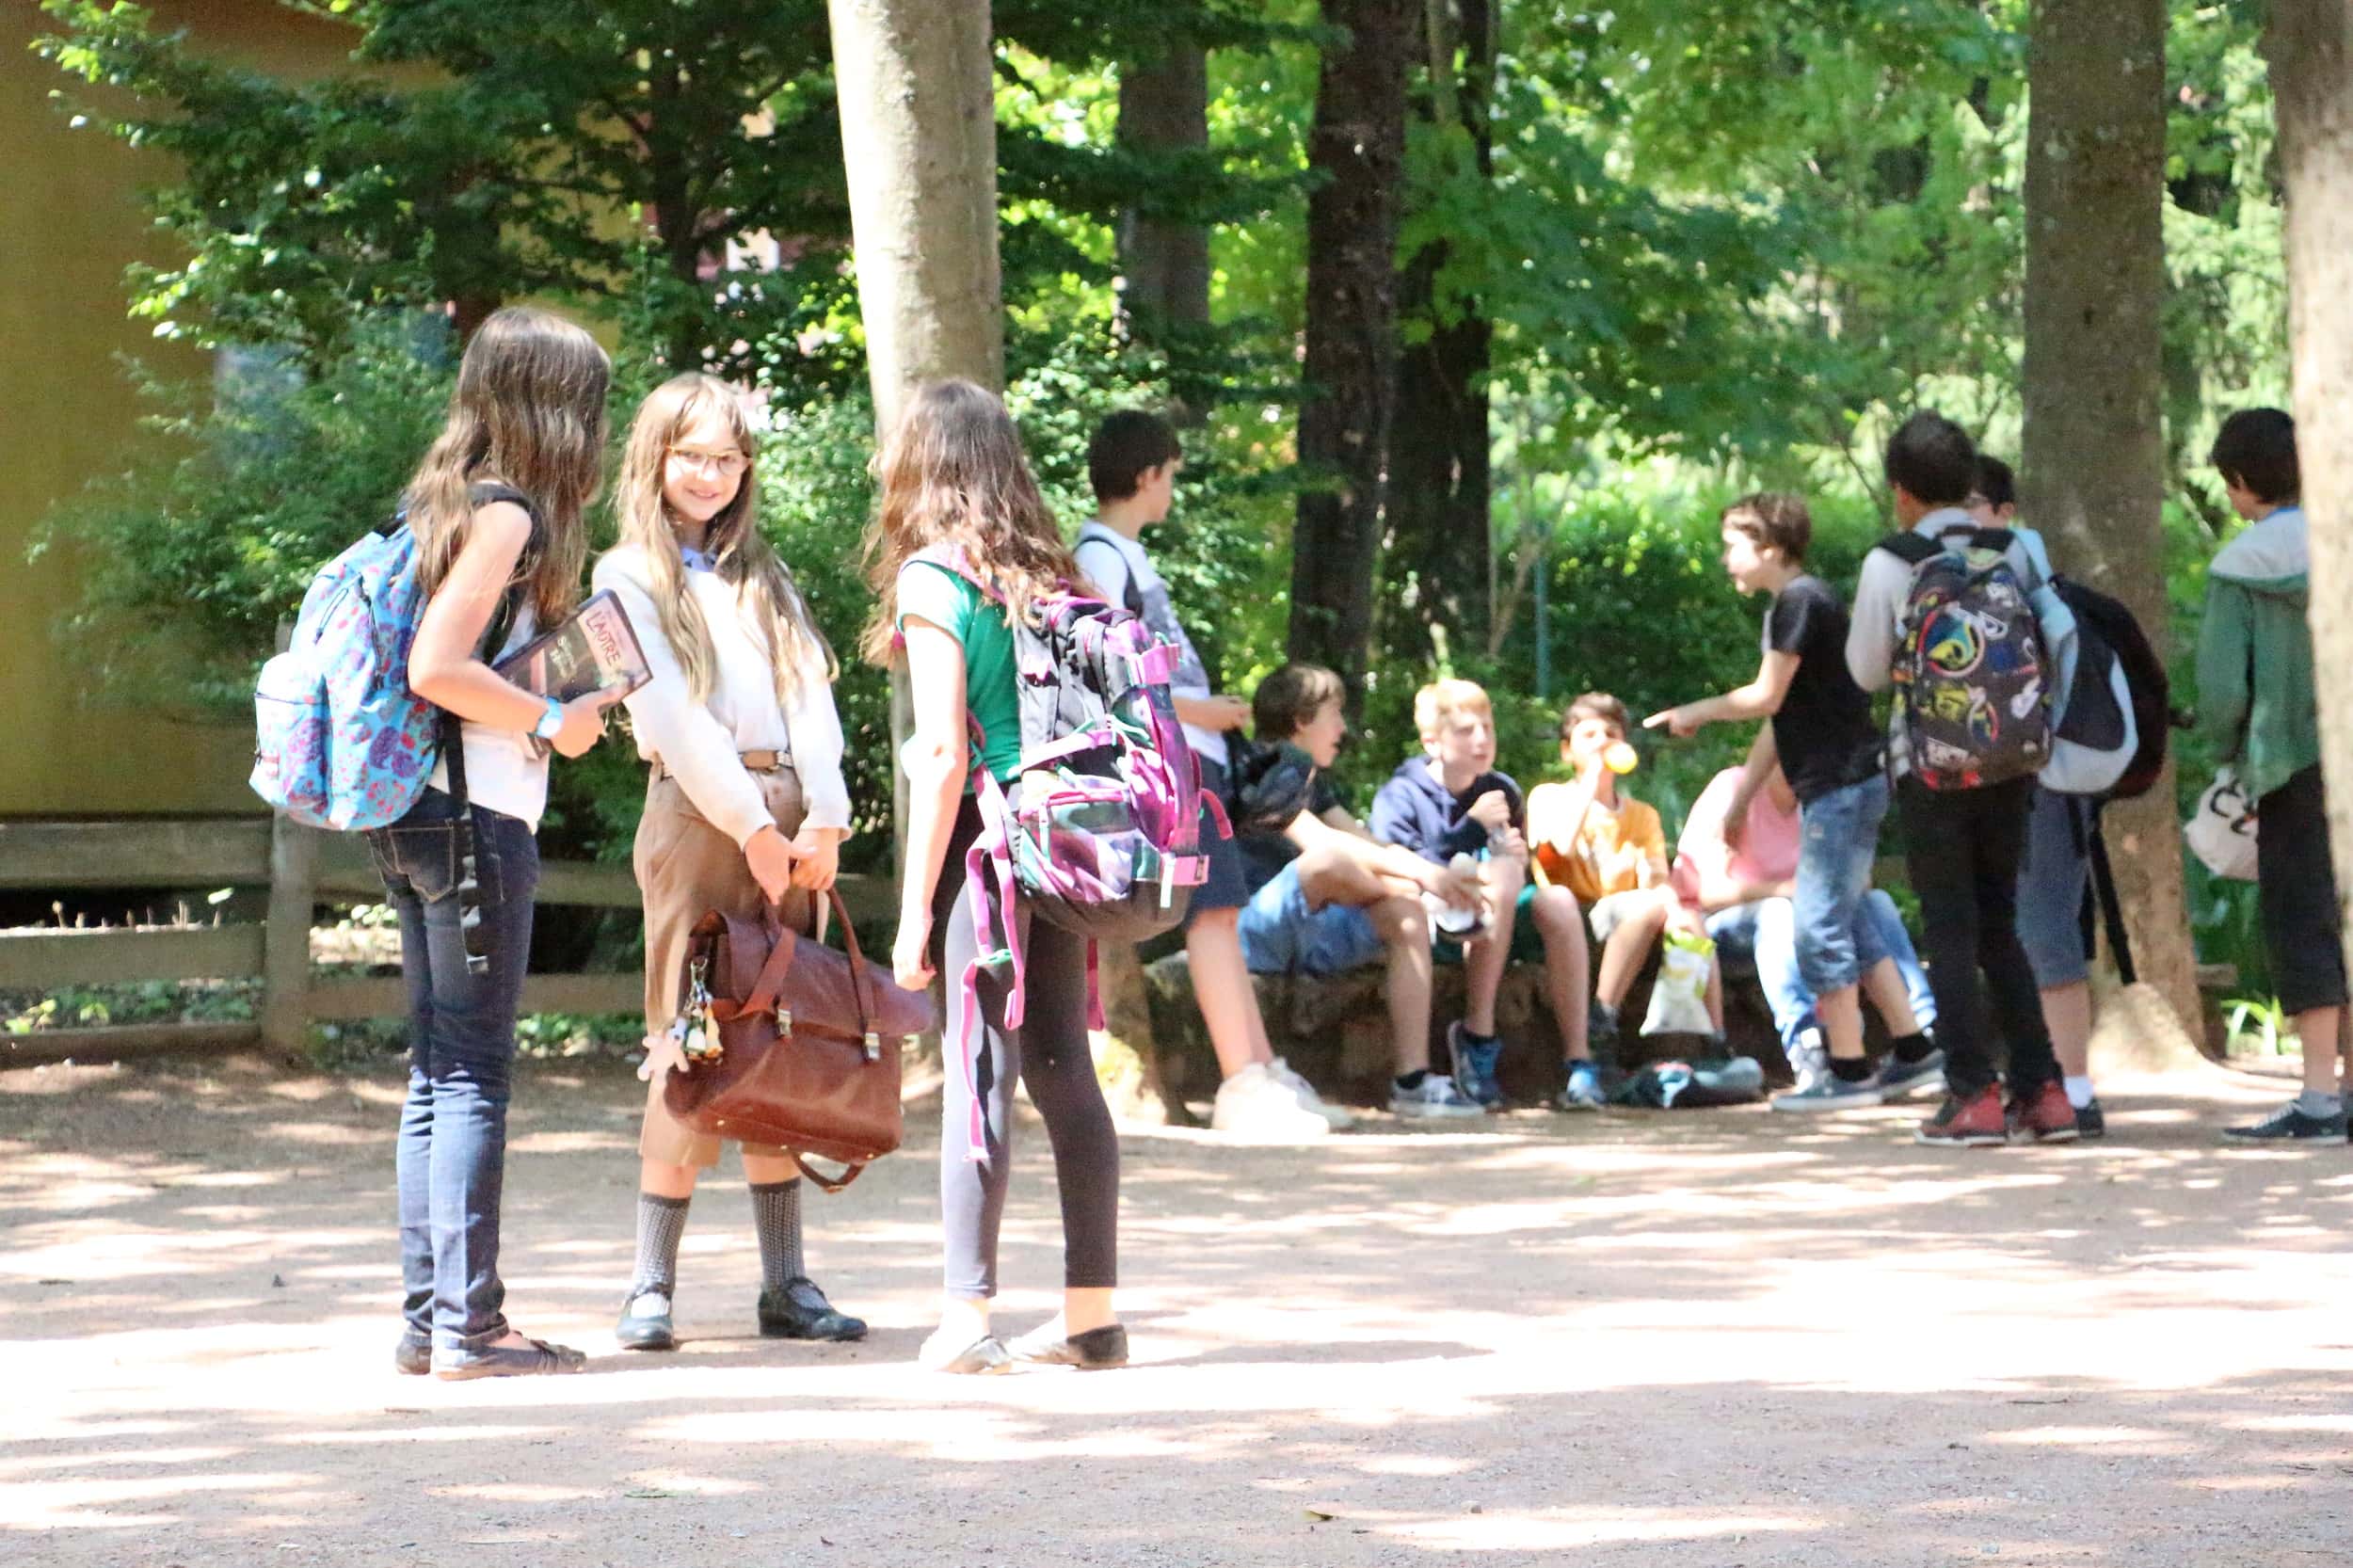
[(800, 1311), (2090, 1121), (2291, 1124)]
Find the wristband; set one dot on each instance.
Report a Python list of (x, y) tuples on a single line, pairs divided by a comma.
[(549, 721)]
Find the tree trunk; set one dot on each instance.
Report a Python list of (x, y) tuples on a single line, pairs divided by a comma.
[(1356, 148), (2093, 467), (922, 178), (1165, 106), (918, 143), (1439, 527), (2310, 46)]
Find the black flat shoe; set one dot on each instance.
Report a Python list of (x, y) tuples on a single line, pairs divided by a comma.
[(799, 1311), (645, 1324), (532, 1358), (1099, 1350), (412, 1357)]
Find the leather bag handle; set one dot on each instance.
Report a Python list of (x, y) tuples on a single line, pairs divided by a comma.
[(769, 984)]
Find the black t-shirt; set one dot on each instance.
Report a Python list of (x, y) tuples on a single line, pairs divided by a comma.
[(1823, 731), (1265, 854)]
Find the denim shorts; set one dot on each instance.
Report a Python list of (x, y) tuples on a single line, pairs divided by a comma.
[(1280, 935), (1841, 838), (2052, 880)]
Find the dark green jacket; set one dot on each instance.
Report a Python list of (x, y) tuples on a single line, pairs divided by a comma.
[(2255, 695)]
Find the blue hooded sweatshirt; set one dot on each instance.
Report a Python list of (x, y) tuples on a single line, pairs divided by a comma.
[(1415, 809)]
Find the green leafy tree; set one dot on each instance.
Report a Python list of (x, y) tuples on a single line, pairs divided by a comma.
[(476, 154)]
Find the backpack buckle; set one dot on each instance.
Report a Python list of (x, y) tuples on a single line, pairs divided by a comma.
[(874, 1046), (1168, 880)]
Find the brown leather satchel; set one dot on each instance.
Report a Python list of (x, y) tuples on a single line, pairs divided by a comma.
[(810, 1041)]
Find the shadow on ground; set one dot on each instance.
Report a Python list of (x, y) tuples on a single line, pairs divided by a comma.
[(1712, 1339)]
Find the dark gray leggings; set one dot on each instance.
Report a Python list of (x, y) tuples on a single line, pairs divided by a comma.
[(1049, 1052)]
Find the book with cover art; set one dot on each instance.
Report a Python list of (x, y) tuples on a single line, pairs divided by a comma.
[(594, 650)]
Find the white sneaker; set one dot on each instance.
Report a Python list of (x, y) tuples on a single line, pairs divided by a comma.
[(1434, 1100), (1256, 1107), (1305, 1091)]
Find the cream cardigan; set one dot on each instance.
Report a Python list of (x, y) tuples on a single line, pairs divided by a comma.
[(699, 742)]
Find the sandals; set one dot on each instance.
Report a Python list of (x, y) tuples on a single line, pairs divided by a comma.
[(532, 1358)]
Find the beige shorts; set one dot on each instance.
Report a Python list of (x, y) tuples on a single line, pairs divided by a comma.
[(685, 868), (1606, 914)]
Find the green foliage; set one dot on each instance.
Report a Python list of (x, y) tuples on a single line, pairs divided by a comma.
[(478, 153), (239, 489)]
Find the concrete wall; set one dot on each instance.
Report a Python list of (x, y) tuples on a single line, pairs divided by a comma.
[(69, 222)]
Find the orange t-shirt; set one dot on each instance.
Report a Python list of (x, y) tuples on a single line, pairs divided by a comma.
[(1609, 852)]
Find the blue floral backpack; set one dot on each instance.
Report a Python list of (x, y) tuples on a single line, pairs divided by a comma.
[(340, 741)]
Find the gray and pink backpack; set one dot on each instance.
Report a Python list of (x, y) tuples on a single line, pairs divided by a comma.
[(1101, 831)]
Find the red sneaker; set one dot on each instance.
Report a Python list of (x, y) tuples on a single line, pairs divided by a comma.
[(2045, 1118), (1972, 1122)]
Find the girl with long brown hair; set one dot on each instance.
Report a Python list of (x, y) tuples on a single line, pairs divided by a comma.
[(744, 803), (953, 478), (496, 507)]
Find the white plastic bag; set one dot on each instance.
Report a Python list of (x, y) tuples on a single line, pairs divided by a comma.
[(1678, 1001), (2221, 832)]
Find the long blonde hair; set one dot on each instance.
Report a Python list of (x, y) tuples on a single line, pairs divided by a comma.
[(739, 553), (953, 473), (529, 409)]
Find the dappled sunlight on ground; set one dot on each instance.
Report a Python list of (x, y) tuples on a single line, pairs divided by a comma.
[(1712, 1339)]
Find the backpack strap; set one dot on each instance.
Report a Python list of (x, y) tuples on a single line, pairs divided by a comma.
[(1911, 549)]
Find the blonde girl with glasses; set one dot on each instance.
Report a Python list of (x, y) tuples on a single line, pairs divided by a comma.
[(746, 803)]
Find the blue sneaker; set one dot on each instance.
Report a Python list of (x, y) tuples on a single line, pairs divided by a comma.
[(1475, 1066), (1584, 1091)]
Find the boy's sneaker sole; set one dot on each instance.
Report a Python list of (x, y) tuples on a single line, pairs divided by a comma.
[(1900, 1079), (1831, 1095)]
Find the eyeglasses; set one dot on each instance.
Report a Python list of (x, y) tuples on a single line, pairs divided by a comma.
[(727, 465)]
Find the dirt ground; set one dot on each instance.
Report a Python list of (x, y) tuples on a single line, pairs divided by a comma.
[(1710, 1338)]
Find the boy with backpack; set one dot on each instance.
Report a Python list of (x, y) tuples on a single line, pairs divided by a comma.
[(2054, 880), (1941, 612), (1820, 730), (1450, 806), (2256, 702), (1133, 463)]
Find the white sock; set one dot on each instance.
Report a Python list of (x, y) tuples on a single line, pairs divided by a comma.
[(2079, 1090), (2314, 1103)]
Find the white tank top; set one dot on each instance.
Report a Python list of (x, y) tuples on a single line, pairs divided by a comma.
[(503, 770)]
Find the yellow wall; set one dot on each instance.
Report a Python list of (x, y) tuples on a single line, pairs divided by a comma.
[(69, 222)]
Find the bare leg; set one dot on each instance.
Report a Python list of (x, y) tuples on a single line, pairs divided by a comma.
[(2317, 1027), (1883, 983), (1841, 1011), (1623, 954), (1483, 961), (1221, 983), (761, 1170), (1394, 906), (660, 1180), (2067, 1014), (1086, 1309), (1568, 967)]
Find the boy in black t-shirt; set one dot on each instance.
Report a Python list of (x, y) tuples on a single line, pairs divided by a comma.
[(1822, 736)]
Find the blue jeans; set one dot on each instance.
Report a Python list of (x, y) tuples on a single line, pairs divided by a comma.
[(452, 1156), (1767, 931), (1841, 838)]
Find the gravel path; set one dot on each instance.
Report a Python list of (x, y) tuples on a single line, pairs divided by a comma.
[(1707, 1338)]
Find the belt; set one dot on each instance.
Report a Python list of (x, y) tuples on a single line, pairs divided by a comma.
[(754, 762)]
